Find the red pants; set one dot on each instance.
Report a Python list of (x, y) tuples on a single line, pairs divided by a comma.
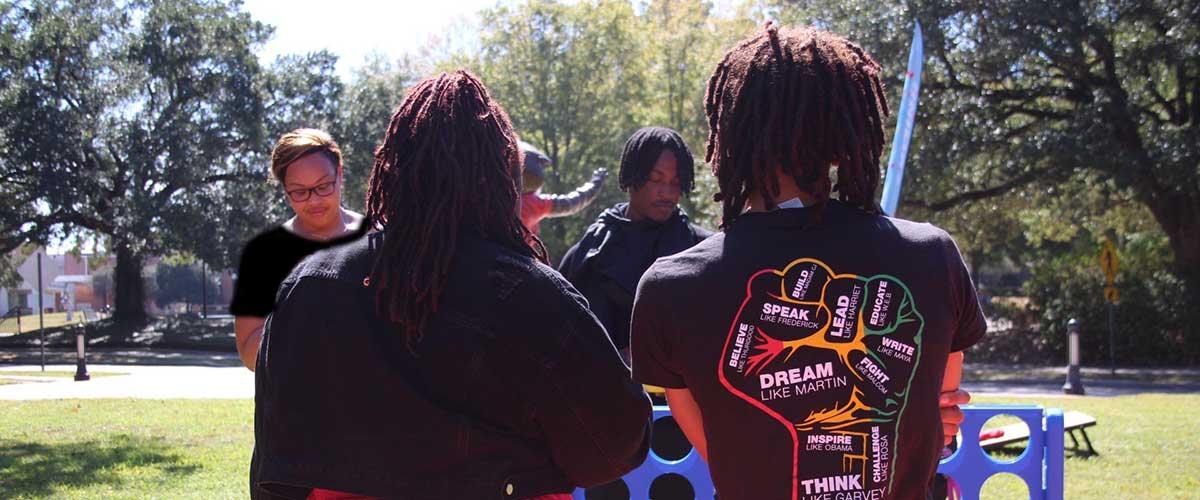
[(319, 494)]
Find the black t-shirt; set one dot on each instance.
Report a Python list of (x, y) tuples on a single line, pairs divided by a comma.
[(267, 259), (814, 351)]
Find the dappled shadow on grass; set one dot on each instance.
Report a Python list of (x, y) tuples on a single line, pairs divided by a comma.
[(39, 470), (118, 356), (167, 332), (1007, 452)]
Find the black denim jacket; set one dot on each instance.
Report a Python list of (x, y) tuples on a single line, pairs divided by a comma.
[(514, 391)]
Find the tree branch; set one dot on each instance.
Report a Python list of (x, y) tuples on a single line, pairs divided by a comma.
[(1020, 131), (980, 194), (162, 196), (1181, 81), (86, 221), (1172, 115), (1195, 101), (1123, 126), (1043, 114), (1151, 114), (950, 72), (120, 182)]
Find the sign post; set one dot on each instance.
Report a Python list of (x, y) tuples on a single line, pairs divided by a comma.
[(204, 290), (1110, 263), (41, 311)]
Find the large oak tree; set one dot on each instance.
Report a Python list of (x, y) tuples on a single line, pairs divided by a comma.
[(1020, 94), (140, 122)]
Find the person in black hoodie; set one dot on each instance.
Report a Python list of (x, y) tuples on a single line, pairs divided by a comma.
[(439, 357), (606, 264)]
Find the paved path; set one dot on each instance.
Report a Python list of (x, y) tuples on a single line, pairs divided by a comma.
[(1101, 388), (142, 382), (120, 356), (1023, 380), (159, 374)]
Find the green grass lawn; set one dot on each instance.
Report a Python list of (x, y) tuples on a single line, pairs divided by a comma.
[(1149, 448), (30, 323), (125, 448)]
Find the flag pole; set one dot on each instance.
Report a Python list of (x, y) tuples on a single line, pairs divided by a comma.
[(904, 124)]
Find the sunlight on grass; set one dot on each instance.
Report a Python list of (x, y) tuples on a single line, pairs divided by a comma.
[(1149, 447), (1004, 487), (125, 449), (29, 322)]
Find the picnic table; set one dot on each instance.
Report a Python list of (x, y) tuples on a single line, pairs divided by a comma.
[(1073, 421)]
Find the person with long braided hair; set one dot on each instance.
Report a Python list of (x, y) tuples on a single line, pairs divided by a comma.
[(439, 357), (803, 348)]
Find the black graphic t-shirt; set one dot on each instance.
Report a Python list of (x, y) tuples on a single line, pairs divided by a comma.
[(814, 351), (267, 259)]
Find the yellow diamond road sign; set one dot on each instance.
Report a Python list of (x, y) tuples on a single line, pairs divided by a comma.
[(1109, 261)]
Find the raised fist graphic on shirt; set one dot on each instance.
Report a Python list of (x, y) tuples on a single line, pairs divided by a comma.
[(832, 356)]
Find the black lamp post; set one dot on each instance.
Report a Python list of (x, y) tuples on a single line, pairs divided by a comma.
[(81, 372), (1074, 384)]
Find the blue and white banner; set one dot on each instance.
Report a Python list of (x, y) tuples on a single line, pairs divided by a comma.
[(904, 124)]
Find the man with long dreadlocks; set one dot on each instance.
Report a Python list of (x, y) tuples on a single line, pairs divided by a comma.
[(537, 205), (803, 348), (606, 264), (439, 357)]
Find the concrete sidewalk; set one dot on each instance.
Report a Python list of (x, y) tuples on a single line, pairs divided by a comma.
[(141, 382), (1026, 381), (160, 374), (1092, 388), (121, 356)]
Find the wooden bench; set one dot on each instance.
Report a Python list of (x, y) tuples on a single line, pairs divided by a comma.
[(1072, 421)]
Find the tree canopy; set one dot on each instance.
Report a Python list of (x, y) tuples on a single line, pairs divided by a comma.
[(1027, 97), (1042, 126), (141, 123)]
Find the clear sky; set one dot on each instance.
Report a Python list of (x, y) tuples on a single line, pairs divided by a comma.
[(352, 29)]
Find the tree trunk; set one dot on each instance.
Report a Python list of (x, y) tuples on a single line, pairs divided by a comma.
[(129, 306), (1179, 216), (1175, 208)]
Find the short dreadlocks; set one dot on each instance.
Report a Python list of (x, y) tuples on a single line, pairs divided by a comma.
[(801, 100)]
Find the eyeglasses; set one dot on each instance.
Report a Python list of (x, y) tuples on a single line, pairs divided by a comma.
[(302, 195)]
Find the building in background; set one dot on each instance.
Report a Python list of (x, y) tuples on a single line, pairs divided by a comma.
[(67, 283), (82, 282)]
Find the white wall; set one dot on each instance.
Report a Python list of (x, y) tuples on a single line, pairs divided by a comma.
[(52, 267)]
